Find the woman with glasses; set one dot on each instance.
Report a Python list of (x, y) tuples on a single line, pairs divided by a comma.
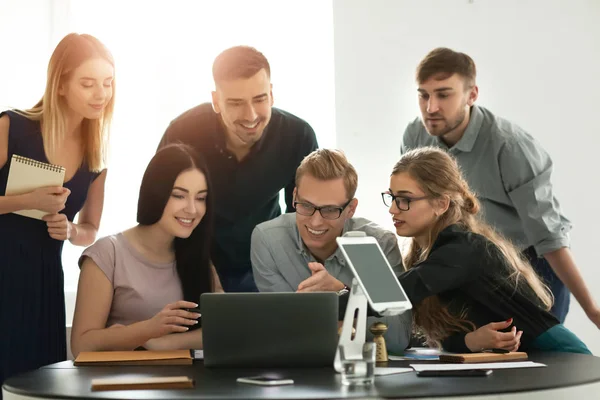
[(462, 276)]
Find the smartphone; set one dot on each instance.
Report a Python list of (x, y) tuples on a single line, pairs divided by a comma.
[(265, 381), (464, 372)]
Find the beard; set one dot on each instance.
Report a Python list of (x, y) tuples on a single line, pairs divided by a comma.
[(238, 136), (445, 126), (252, 136)]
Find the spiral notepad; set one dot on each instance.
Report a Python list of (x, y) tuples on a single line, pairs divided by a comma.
[(26, 175)]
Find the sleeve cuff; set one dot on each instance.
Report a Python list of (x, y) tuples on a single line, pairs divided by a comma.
[(548, 246), (455, 343)]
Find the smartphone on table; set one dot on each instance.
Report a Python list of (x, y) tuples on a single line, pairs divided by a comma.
[(265, 380), (465, 372)]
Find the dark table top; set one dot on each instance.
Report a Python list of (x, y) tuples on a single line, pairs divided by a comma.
[(63, 380)]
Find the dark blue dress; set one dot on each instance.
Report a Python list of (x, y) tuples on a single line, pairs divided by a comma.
[(32, 301)]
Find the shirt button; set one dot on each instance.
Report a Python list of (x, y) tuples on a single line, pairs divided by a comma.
[(342, 261)]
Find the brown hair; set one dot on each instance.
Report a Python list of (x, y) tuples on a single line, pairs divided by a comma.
[(239, 62), (51, 110), (438, 175), (325, 164), (442, 63)]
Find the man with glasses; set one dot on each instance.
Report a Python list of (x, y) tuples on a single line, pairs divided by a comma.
[(298, 252), (507, 168)]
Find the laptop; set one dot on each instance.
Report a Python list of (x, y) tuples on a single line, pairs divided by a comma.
[(269, 329)]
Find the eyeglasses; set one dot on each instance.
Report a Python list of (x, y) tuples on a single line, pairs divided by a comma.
[(327, 212), (403, 203)]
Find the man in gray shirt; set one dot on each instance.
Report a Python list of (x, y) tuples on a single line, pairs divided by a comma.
[(298, 252), (507, 168)]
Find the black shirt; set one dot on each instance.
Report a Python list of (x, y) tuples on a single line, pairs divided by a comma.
[(468, 272), (246, 193)]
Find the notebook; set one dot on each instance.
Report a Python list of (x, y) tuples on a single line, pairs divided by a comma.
[(172, 357), (142, 383), (483, 357), (26, 175)]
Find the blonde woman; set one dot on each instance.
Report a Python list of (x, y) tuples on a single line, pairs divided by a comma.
[(462, 277), (68, 127)]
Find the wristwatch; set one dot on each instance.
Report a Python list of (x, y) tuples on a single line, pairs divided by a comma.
[(343, 291)]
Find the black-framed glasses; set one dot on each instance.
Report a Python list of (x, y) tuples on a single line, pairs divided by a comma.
[(402, 202), (327, 212)]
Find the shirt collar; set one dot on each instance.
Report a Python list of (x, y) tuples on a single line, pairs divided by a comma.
[(466, 143)]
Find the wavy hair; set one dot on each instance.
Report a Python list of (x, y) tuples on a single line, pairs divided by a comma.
[(439, 175)]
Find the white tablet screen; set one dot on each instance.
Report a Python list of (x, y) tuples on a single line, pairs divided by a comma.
[(375, 274)]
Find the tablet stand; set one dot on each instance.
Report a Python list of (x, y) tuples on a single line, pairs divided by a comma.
[(357, 305), (353, 348)]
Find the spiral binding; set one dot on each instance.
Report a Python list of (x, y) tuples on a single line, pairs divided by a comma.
[(38, 164)]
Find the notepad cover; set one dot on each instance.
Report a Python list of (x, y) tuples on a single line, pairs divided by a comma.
[(172, 357), (25, 175), (468, 358), (142, 383)]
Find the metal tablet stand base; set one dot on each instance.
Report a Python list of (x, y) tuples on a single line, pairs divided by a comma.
[(353, 347), (357, 306)]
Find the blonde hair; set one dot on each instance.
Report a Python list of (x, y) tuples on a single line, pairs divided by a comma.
[(51, 110), (325, 165), (439, 176)]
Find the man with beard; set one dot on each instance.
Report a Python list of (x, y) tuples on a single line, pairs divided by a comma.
[(252, 150), (505, 166)]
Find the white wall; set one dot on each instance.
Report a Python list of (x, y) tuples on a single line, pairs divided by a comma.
[(538, 63), (25, 33)]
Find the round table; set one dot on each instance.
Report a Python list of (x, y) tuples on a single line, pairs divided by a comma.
[(566, 376)]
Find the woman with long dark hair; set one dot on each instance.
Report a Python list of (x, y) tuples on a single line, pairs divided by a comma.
[(136, 287)]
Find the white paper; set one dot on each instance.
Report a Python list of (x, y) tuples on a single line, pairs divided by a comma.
[(380, 371), (457, 367), (198, 354)]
